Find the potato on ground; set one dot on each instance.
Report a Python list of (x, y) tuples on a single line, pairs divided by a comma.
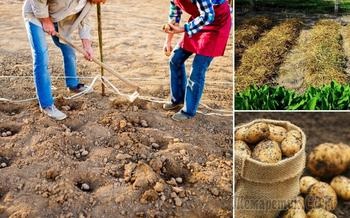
[(267, 151), (292, 143), (321, 195), (327, 160), (306, 182), (320, 213), (257, 132), (277, 133), (341, 186), (242, 148), (346, 151), (296, 209)]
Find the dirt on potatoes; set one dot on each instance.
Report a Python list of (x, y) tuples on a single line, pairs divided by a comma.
[(319, 128), (110, 157)]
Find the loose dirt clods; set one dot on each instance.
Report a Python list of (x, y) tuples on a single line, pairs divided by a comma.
[(106, 142)]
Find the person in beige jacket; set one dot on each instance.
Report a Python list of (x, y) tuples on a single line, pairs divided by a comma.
[(49, 17)]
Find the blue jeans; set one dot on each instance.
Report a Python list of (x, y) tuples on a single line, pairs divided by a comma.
[(42, 80), (188, 91)]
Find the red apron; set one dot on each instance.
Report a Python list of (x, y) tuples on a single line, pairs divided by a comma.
[(212, 39)]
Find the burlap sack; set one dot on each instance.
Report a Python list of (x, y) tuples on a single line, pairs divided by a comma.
[(262, 190)]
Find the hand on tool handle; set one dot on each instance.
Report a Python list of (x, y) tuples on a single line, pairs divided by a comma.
[(48, 26), (89, 53)]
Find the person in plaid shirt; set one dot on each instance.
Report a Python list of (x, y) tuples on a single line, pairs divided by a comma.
[(206, 9), (205, 34)]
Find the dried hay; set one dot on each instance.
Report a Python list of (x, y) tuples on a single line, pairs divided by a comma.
[(324, 59), (249, 32), (260, 62)]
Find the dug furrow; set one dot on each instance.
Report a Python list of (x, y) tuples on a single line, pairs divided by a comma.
[(345, 33), (316, 60)]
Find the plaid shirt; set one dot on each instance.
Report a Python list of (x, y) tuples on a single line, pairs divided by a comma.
[(206, 17)]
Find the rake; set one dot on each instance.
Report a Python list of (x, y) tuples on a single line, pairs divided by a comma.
[(131, 97)]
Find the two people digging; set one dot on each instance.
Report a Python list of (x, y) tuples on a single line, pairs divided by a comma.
[(205, 35)]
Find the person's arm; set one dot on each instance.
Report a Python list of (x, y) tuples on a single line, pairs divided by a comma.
[(174, 19), (41, 11), (40, 8), (174, 13), (84, 29), (84, 33), (167, 45), (88, 49), (48, 26), (206, 17)]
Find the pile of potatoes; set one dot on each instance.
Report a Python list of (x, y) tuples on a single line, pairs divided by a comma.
[(326, 161), (267, 143)]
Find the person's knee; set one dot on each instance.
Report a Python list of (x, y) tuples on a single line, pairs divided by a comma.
[(202, 61), (177, 59), (69, 55), (191, 84)]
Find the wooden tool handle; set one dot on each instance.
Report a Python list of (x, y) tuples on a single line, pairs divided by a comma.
[(105, 66)]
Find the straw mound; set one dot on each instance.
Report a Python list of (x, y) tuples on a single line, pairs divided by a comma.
[(249, 32), (324, 57), (260, 61)]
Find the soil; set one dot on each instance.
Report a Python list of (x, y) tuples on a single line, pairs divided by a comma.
[(319, 128), (110, 157)]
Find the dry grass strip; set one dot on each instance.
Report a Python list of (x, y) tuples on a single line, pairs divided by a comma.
[(249, 32), (324, 57), (261, 61)]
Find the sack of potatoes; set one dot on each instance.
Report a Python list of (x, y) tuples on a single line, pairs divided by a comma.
[(269, 161)]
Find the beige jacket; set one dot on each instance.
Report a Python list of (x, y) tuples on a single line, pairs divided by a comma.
[(62, 12)]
